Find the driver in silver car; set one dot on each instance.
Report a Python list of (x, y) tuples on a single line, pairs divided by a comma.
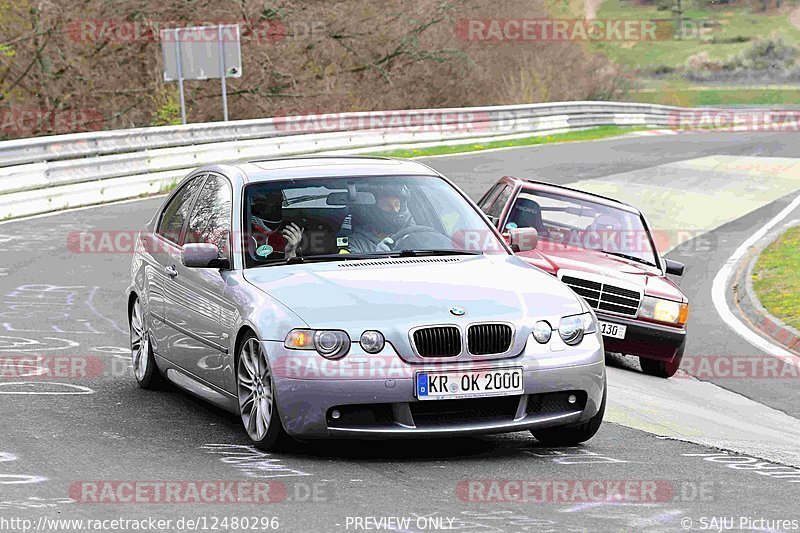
[(374, 224)]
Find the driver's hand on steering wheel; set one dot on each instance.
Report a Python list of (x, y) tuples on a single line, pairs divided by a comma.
[(386, 245)]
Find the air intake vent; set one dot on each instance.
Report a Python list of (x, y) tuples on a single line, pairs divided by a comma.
[(605, 297), (488, 339), (387, 262), (438, 341)]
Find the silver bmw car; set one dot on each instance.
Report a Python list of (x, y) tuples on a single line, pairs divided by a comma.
[(357, 297)]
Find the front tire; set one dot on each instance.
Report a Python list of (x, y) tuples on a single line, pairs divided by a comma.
[(572, 435), (662, 369), (145, 370), (256, 392)]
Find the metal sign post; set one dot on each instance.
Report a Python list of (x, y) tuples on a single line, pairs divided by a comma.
[(180, 75), (224, 75)]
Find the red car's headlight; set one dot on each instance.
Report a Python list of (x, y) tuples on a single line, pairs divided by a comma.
[(667, 311)]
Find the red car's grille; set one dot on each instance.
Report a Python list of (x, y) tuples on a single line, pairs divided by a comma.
[(605, 297)]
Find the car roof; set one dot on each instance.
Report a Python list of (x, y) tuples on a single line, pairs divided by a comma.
[(331, 166), (577, 194)]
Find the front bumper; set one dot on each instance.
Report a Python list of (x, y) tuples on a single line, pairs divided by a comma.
[(382, 403), (645, 339)]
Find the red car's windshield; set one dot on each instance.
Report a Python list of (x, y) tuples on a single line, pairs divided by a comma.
[(585, 224)]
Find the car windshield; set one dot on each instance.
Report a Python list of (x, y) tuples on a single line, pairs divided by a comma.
[(562, 220), (341, 218)]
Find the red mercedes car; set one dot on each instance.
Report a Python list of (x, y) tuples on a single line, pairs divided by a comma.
[(604, 250)]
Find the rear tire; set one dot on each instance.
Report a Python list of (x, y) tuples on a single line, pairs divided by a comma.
[(256, 392), (662, 369), (145, 370), (572, 435)]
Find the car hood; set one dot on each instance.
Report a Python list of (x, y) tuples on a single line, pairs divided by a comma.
[(560, 260), (396, 295)]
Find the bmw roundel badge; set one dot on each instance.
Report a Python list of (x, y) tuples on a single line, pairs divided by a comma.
[(458, 311)]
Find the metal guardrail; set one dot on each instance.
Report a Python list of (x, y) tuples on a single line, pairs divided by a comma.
[(78, 169)]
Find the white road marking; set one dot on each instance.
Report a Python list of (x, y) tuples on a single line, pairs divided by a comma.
[(251, 461), (720, 284), (20, 479), (21, 344), (68, 389), (16, 479)]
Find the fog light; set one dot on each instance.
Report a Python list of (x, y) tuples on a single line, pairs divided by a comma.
[(336, 415), (372, 341), (542, 332), (572, 398)]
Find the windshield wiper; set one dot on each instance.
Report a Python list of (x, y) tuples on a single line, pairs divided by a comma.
[(418, 253), (326, 257), (630, 257), (300, 260)]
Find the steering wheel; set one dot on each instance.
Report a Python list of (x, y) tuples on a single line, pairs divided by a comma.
[(396, 241)]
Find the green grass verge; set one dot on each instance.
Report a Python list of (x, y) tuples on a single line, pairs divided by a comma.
[(599, 132), (775, 278), (709, 96)]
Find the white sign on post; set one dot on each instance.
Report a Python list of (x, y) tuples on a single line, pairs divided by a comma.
[(202, 53)]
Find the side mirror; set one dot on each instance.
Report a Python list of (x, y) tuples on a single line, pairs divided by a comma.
[(201, 255), (523, 239), (674, 267)]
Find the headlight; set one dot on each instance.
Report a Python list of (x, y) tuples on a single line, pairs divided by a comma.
[(372, 341), (664, 310), (572, 328), (542, 332), (331, 344)]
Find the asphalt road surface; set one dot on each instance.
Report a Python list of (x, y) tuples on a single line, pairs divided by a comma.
[(690, 453)]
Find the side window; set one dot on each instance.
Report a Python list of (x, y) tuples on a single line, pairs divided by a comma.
[(177, 211), (489, 197), (496, 208), (210, 221)]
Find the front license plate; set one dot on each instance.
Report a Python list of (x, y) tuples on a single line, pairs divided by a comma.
[(612, 330), (475, 384)]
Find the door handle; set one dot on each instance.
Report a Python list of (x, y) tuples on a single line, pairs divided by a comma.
[(171, 271)]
